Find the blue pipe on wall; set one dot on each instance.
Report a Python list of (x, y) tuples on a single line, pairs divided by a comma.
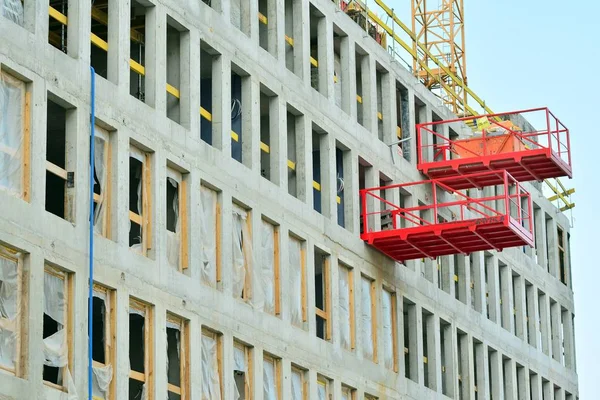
[(91, 266)]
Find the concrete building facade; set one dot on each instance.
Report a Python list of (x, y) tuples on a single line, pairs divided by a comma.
[(230, 149)]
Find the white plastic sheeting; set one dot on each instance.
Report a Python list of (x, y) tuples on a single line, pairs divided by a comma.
[(208, 226), (11, 133), (267, 270), (242, 251), (239, 364), (101, 381), (56, 350), (344, 308), (174, 238), (100, 168), (269, 385), (9, 311), (346, 393), (211, 385), (366, 325), (295, 281), (13, 10), (386, 322), (297, 385), (322, 390)]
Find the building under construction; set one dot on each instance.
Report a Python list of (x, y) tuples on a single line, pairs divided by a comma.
[(272, 199)]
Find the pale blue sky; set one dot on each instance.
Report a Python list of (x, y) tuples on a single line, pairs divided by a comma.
[(531, 53)]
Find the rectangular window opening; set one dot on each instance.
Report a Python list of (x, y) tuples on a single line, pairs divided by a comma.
[(103, 352), (265, 134), (177, 48), (57, 24), (368, 318), (12, 317), (348, 393), (322, 294), (57, 177), (102, 181), (210, 267), (428, 368), (299, 383), (99, 37), (208, 67), (270, 273), (236, 116), (271, 377), (242, 253), (137, 50), (317, 24), (239, 12), (346, 307), (410, 340), (379, 74), (265, 24), (340, 155), (176, 220), (360, 111), (338, 88), (389, 326), (293, 144), (242, 370), (323, 388), (297, 296), (140, 200), (212, 364), (177, 358), (402, 121), (140, 349), (290, 28), (317, 137)]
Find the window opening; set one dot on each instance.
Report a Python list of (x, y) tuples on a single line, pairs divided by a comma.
[(322, 295), (299, 383), (137, 51), (297, 282), (11, 310), (177, 363), (103, 356), (271, 377), (99, 40), (57, 176), (102, 175), (176, 216), (346, 307), (212, 352), (140, 350), (211, 235), (140, 219), (242, 371), (368, 318), (242, 253), (269, 272), (57, 24)]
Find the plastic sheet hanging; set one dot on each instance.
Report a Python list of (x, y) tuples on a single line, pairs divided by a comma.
[(139, 157), (295, 281), (9, 311), (208, 226), (100, 169), (322, 390), (269, 387), (386, 322), (297, 386), (366, 325), (239, 364), (13, 10), (241, 252), (101, 380), (12, 104), (211, 385), (174, 238), (344, 308), (266, 272)]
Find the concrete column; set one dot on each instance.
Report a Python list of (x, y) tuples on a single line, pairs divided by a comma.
[(520, 307), (221, 103), (119, 44), (532, 315), (496, 375), (301, 10), (120, 193), (334, 279), (373, 206), (425, 115), (511, 388), (400, 337), (552, 243), (249, 24), (225, 200), (462, 272), (412, 152), (78, 30), (479, 282), (194, 83), (416, 345), (536, 386), (506, 296), (434, 362), (277, 30), (467, 389), (556, 331), (278, 141), (368, 76), (493, 288), (121, 367), (35, 18), (251, 123), (523, 383), (450, 359), (567, 320), (328, 177), (286, 378), (304, 168), (351, 193), (446, 264), (544, 309), (325, 57), (348, 61), (548, 390), (539, 223), (159, 347), (482, 370), (388, 111), (155, 65)]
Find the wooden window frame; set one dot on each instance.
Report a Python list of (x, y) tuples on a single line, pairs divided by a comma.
[(326, 383), (68, 290), (20, 359), (58, 171), (182, 218), (351, 304), (325, 314), (26, 134), (303, 380), (394, 320), (247, 291), (350, 391), (110, 335), (249, 372), (562, 254), (217, 337), (105, 229), (147, 377), (144, 220), (373, 299), (276, 361), (184, 357)]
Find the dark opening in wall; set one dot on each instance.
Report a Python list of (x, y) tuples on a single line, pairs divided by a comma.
[(135, 199), (99, 26), (136, 353), (174, 360), (321, 293), (51, 374), (316, 77), (292, 145), (264, 25), (290, 19), (172, 204), (236, 117), (339, 177), (99, 343), (56, 155), (360, 111), (57, 27), (316, 163), (177, 60), (208, 57), (265, 135), (137, 50), (403, 120), (338, 89)]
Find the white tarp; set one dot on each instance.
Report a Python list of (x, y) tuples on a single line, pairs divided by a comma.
[(211, 386), (295, 281), (386, 322), (346, 393), (344, 307), (269, 386), (100, 168), (239, 364), (241, 252), (174, 238), (101, 381), (11, 134), (208, 226), (13, 10), (9, 311), (322, 390), (267, 270), (366, 325), (297, 387)]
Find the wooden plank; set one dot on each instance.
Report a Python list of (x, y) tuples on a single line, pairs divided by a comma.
[(27, 148), (111, 343), (218, 239), (135, 218), (276, 266), (56, 170), (138, 376), (149, 353), (57, 15), (174, 389), (107, 228), (69, 290), (137, 67), (291, 165), (99, 42), (320, 313), (183, 217), (262, 19)]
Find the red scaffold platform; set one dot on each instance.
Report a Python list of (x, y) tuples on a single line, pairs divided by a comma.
[(453, 223), (507, 141)]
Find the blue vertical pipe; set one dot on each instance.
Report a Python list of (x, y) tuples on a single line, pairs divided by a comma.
[(91, 267)]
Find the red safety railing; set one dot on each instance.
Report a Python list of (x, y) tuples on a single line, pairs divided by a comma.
[(510, 206), (492, 137)]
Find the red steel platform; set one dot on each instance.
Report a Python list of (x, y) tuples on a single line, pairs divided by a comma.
[(453, 224), (499, 142)]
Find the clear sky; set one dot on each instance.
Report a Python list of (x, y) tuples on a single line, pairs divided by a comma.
[(531, 53)]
